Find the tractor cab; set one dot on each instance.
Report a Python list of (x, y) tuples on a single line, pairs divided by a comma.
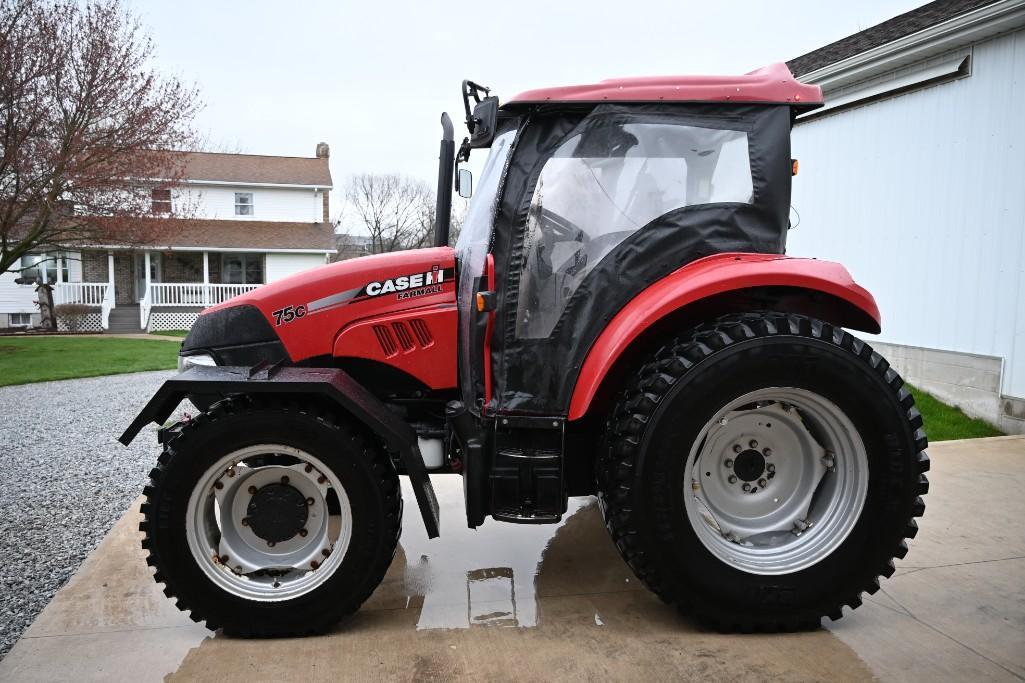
[(589, 195)]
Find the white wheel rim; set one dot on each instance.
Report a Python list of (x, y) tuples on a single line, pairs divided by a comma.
[(804, 501), (240, 559)]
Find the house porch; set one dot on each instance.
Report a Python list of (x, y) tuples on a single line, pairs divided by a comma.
[(152, 290)]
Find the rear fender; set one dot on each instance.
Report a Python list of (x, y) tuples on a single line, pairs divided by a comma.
[(329, 383), (820, 288)]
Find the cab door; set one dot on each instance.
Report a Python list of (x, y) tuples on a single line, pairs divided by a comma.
[(475, 276)]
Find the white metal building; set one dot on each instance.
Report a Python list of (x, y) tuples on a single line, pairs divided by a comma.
[(913, 176)]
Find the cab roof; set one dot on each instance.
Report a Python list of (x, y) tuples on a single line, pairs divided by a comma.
[(772, 84)]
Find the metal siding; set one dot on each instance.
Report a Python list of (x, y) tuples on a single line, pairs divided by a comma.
[(922, 196)]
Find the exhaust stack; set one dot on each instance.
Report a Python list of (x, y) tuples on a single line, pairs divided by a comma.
[(446, 164)]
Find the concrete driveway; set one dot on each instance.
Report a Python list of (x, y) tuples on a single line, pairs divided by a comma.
[(554, 603)]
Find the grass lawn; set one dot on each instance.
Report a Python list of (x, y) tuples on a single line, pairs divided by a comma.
[(945, 423), (40, 359), (171, 333)]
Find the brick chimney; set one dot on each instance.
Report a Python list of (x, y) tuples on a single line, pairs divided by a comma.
[(324, 152)]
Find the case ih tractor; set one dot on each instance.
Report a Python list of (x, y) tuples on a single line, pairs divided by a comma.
[(618, 319)]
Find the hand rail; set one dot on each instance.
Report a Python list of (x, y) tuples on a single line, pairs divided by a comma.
[(106, 305), (144, 308)]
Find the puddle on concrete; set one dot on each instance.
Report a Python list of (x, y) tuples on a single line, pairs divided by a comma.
[(458, 607), (483, 577)]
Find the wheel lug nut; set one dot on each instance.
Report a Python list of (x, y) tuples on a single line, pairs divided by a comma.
[(252, 490), (732, 479), (325, 552), (729, 462), (314, 564), (303, 533), (224, 559), (753, 444), (231, 472), (270, 544), (277, 584), (762, 482), (310, 501), (321, 479), (737, 448), (284, 481), (309, 468), (746, 486), (245, 521), (218, 485), (771, 468), (767, 452)]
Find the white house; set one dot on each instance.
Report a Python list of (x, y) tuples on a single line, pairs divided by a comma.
[(913, 175), (252, 219)]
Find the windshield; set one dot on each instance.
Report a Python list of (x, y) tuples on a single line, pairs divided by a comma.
[(472, 248)]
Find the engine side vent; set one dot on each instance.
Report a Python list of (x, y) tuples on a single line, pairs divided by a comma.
[(404, 337), (422, 332), (384, 338)]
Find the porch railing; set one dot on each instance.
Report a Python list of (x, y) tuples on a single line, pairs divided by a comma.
[(88, 293), (106, 305), (193, 294), (145, 303)]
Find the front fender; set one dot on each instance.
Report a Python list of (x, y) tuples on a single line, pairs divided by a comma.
[(709, 277), (330, 383)]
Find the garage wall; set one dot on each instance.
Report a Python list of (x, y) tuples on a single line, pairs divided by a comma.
[(922, 196), (283, 265)]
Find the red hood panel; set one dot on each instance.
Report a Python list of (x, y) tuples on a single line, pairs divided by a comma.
[(309, 309)]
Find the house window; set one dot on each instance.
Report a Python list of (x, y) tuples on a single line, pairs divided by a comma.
[(242, 269), (20, 319), (44, 267), (161, 201), (243, 203)]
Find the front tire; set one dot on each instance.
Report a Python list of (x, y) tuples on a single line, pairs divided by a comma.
[(763, 471), (271, 519)]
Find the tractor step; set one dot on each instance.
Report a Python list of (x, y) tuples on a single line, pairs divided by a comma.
[(526, 479)]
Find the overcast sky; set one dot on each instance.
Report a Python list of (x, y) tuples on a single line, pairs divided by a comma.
[(371, 77)]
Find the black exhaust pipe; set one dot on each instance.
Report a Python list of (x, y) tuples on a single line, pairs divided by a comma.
[(446, 168)]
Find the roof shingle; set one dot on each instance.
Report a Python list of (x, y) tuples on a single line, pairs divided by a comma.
[(227, 234), (256, 168)]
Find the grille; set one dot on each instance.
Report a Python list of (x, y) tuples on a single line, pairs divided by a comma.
[(408, 337), (384, 338), (404, 337), (422, 332)]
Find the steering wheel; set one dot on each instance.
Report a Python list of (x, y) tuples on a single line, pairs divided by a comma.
[(556, 228)]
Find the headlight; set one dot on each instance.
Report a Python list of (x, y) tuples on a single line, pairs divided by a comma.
[(186, 362)]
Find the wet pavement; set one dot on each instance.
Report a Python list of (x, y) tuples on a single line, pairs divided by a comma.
[(556, 602)]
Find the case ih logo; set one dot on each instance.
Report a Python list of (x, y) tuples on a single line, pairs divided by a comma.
[(403, 287), (409, 286)]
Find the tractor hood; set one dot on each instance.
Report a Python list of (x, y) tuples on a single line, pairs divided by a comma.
[(298, 318)]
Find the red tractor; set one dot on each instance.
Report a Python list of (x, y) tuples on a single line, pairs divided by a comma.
[(618, 319)]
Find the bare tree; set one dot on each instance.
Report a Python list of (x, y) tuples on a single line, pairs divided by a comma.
[(394, 211), (86, 126)]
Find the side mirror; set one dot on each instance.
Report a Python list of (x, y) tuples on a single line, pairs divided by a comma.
[(464, 183), (485, 121)]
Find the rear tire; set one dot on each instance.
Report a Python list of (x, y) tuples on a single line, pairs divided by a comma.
[(838, 396), (348, 479)]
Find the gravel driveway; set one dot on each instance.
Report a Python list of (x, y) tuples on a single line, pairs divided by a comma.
[(64, 481)]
